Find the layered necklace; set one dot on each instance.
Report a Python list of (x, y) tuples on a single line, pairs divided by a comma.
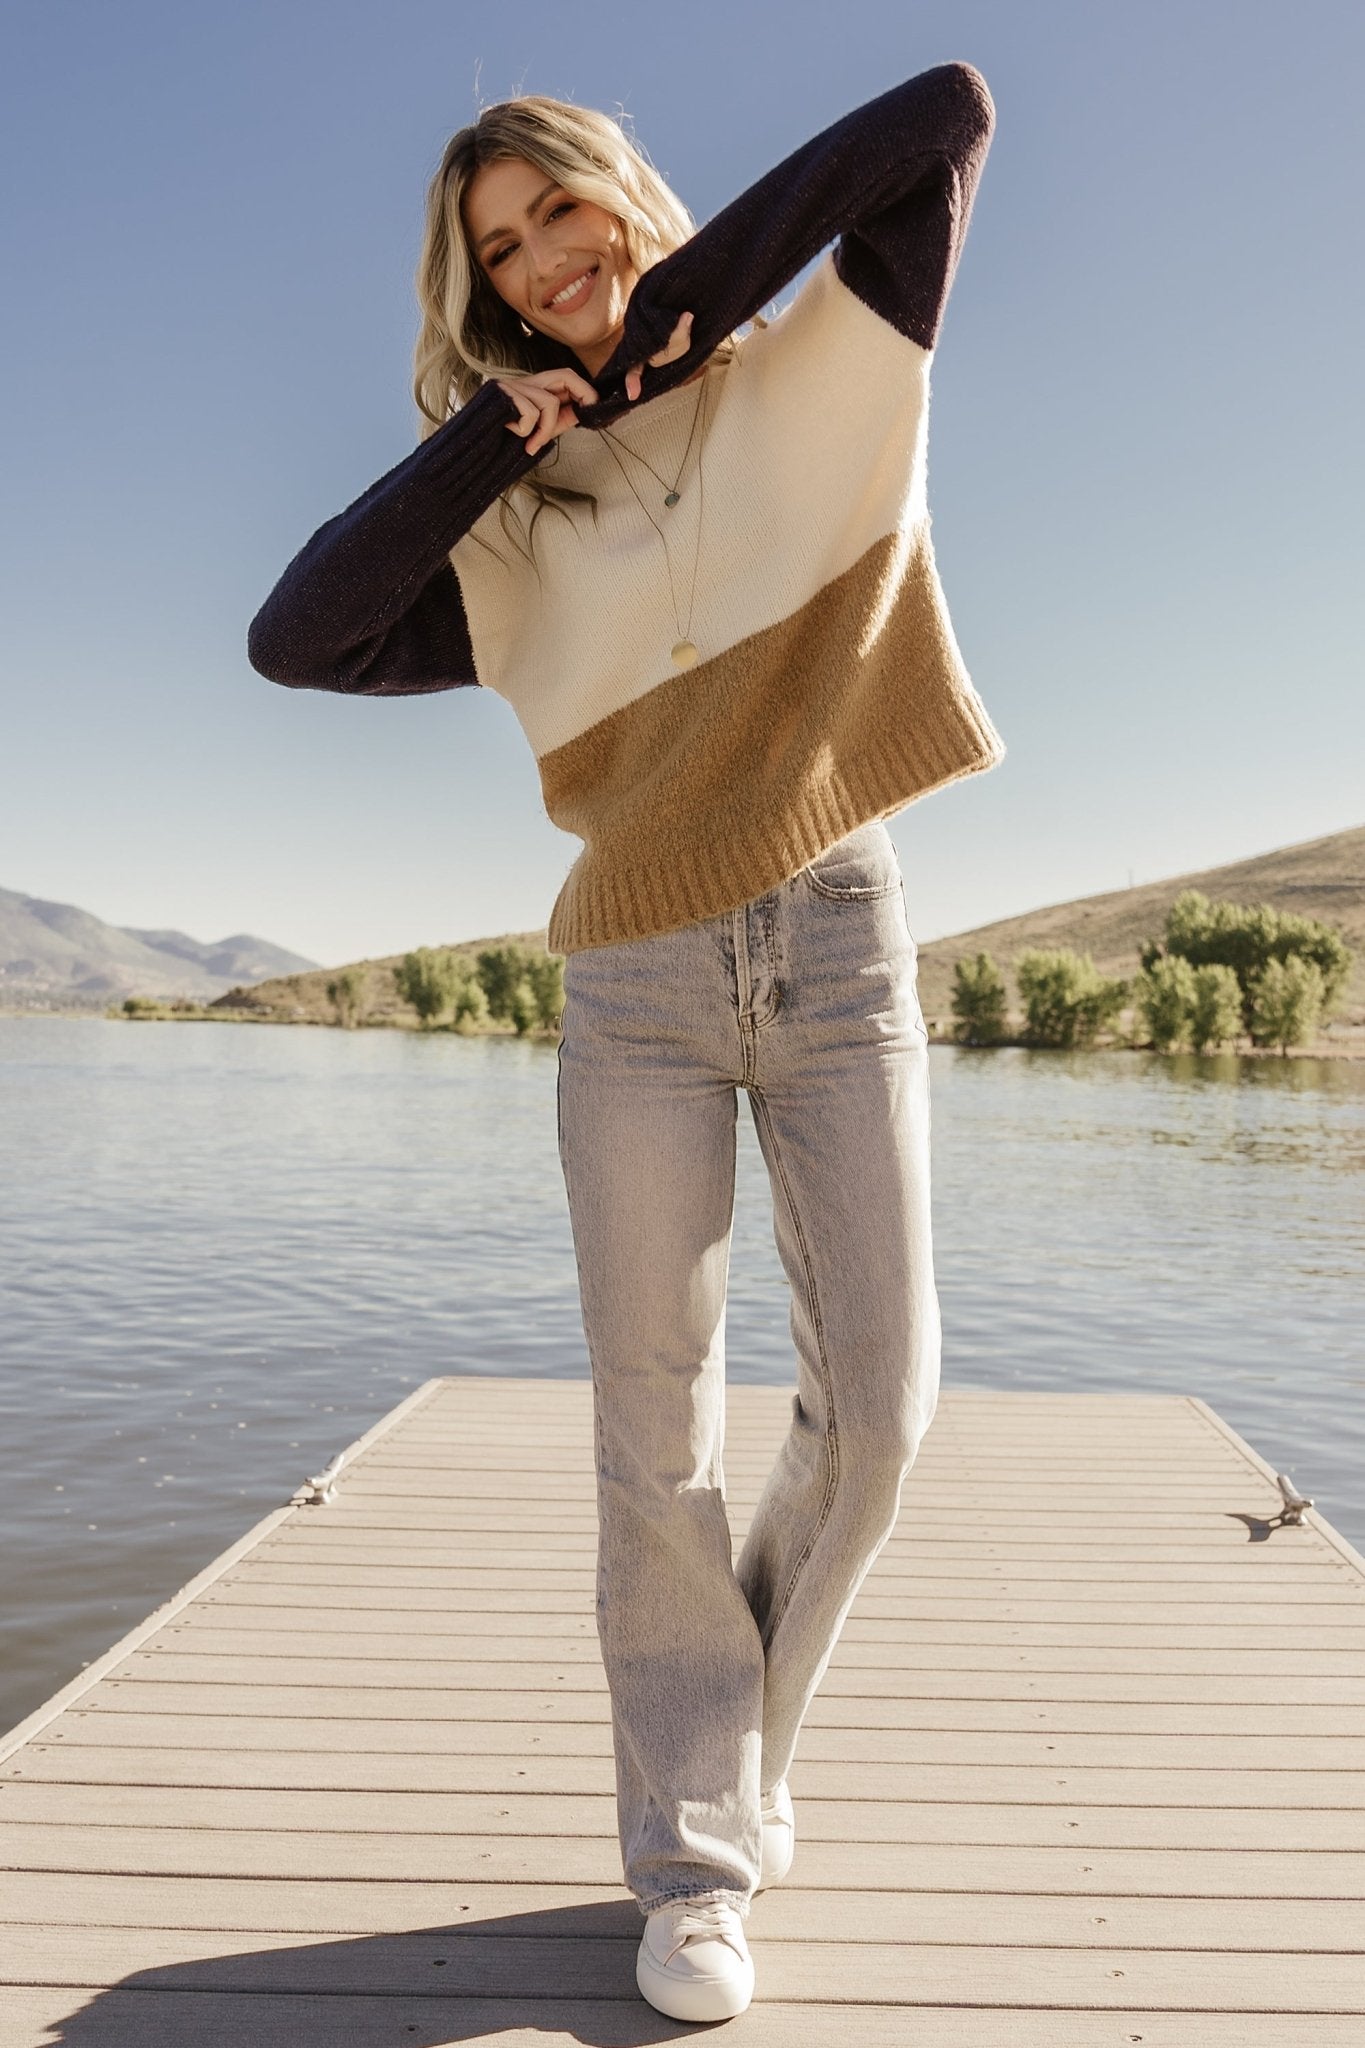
[(685, 648)]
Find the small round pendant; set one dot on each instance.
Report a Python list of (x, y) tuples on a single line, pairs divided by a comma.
[(672, 498), (685, 654)]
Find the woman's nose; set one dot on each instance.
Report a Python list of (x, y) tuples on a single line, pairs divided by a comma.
[(544, 255)]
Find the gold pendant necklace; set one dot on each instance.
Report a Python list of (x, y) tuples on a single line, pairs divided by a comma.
[(685, 652)]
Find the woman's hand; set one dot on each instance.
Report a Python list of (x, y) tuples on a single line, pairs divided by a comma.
[(545, 398), (545, 403), (679, 341)]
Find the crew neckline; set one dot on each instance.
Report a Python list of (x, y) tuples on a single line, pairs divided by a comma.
[(672, 400)]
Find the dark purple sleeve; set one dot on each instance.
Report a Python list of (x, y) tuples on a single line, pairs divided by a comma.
[(894, 180), (371, 605)]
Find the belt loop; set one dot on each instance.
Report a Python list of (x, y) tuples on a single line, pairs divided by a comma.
[(744, 987)]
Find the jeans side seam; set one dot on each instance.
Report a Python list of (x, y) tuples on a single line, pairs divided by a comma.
[(826, 1378), (599, 1575)]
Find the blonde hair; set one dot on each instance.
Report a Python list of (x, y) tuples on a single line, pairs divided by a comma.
[(468, 332)]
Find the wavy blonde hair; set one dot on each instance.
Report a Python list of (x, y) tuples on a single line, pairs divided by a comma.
[(468, 333)]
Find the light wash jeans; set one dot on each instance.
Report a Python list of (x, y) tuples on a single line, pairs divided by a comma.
[(805, 997)]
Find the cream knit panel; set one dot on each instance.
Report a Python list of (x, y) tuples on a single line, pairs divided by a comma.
[(815, 451)]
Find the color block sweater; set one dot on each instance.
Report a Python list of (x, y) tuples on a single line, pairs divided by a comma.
[(829, 689)]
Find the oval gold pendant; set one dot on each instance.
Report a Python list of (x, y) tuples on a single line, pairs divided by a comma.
[(684, 654)]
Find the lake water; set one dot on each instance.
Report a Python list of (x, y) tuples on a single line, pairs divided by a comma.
[(228, 1249)]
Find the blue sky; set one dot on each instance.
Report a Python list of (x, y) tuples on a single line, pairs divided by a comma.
[(1145, 451)]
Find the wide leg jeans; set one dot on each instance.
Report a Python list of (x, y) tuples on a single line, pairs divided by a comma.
[(805, 997)]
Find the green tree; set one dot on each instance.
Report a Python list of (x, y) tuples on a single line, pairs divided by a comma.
[(470, 1005), (500, 969), (1067, 1001), (429, 979), (979, 1001), (1246, 938), (1287, 1002), (523, 987), (1216, 1010), (346, 993), (545, 973), (522, 1007), (1164, 997)]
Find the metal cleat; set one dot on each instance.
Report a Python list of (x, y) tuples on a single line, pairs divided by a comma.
[(321, 1487)]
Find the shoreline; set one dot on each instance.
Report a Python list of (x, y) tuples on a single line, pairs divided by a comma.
[(1350, 1051)]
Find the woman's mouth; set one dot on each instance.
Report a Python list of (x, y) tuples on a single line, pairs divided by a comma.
[(573, 294)]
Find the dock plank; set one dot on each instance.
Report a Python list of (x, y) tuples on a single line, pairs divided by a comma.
[(356, 1780), (167, 2018), (510, 1735), (602, 1966), (1162, 1702), (1040, 1781), (323, 1905), (564, 1859), (47, 1806)]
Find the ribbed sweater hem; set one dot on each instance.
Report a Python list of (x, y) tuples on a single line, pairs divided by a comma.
[(738, 856)]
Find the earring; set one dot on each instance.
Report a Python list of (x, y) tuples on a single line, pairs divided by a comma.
[(524, 328)]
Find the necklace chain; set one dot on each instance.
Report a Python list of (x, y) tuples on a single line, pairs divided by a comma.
[(671, 490), (684, 653)]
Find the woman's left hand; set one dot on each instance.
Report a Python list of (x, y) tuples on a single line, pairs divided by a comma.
[(679, 341)]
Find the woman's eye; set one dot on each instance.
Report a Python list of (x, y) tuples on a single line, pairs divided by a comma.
[(563, 206)]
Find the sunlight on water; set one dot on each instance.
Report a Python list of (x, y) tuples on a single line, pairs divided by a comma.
[(228, 1250)]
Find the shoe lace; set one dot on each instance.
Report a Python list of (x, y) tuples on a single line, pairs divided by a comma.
[(710, 1918)]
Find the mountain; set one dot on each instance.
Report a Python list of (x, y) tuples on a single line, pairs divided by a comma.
[(240, 958), (54, 956), (1320, 878)]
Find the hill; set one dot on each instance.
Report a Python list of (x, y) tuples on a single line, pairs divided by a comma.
[(303, 999), (1322, 878), (54, 956)]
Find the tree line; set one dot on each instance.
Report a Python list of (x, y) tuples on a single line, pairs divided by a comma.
[(512, 984), (1219, 971)]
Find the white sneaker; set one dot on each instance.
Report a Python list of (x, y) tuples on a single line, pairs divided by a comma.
[(694, 1962), (779, 1835)]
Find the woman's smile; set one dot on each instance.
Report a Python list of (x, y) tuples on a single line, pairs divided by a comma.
[(569, 297)]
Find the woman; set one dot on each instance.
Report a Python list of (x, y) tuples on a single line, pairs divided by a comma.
[(697, 563)]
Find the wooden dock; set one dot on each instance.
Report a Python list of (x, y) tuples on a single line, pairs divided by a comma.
[(1088, 1766)]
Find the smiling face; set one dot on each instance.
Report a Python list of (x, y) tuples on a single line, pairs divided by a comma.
[(535, 241)]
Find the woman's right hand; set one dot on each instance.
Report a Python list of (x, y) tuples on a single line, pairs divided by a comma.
[(545, 404)]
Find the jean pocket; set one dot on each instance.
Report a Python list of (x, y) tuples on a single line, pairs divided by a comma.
[(858, 868)]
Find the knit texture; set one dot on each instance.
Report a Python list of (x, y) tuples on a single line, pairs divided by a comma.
[(830, 689)]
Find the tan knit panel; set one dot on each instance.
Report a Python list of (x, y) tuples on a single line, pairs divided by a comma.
[(727, 779)]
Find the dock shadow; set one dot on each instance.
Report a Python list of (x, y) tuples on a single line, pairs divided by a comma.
[(566, 1970)]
